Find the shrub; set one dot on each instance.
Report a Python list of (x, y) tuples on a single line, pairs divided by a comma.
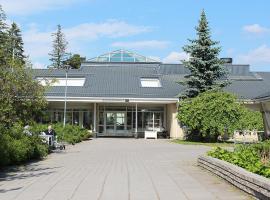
[(215, 113), (69, 133), (250, 120), (252, 157), (5, 141), (17, 147)]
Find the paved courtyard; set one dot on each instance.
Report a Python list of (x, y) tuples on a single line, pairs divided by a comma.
[(118, 169)]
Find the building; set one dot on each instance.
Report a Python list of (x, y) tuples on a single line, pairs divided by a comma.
[(122, 93), (262, 103)]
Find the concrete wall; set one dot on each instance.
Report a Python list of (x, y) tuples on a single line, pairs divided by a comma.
[(173, 125), (256, 185)]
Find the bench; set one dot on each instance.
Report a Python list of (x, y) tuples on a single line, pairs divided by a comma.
[(150, 134)]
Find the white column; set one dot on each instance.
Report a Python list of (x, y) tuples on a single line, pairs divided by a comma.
[(136, 120), (164, 123), (65, 106), (153, 121), (81, 119), (95, 117)]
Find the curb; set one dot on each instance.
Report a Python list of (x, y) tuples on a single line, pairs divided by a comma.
[(257, 186)]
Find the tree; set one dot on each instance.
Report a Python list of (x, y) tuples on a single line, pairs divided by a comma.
[(215, 113), (3, 37), (15, 45), (206, 70), (75, 61), (21, 97), (59, 54)]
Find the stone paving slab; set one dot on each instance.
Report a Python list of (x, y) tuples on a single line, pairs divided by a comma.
[(118, 169)]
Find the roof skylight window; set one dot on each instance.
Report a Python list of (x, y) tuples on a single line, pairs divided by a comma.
[(61, 81), (150, 82), (122, 56)]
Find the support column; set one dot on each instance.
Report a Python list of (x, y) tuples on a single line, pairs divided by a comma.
[(153, 121), (164, 122), (266, 121), (81, 119), (65, 106), (136, 121), (95, 118)]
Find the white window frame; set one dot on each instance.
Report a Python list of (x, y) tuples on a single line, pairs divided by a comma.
[(150, 82), (61, 81)]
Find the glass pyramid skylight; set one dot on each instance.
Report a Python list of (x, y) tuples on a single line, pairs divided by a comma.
[(121, 56)]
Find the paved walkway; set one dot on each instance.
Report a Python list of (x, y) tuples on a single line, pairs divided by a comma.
[(118, 169)]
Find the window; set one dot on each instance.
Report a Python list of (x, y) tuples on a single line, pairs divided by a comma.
[(61, 81), (81, 117), (121, 56), (150, 82)]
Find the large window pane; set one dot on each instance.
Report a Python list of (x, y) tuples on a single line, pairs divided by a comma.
[(148, 123), (87, 120), (69, 117), (76, 119), (110, 118)]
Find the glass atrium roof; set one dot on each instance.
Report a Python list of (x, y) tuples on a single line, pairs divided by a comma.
[(121, 56)]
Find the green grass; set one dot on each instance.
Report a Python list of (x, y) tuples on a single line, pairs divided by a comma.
[(214, 144)]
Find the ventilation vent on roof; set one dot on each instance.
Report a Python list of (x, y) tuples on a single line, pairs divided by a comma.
[(227, 60)]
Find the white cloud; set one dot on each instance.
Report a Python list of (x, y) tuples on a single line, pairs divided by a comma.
[(176, 57), (25, 7), (39, 65), (109, 28), (38, 43), (156, 58), (258, 56), (146, 44), (255, 29)]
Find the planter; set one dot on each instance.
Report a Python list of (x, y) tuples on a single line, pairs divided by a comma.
[(257, 186)]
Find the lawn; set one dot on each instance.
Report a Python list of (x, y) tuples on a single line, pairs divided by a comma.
[(212, 144)]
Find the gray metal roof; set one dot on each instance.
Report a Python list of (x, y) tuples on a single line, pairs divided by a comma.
[(265, 95), (123, 80)]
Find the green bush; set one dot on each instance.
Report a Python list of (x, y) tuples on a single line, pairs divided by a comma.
[(250, 120), (17, 147), (252, 157), (69, 133), (215, 113)]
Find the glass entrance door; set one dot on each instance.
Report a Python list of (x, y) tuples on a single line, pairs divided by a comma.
[(120, 124), (110, 121), (115, 123)]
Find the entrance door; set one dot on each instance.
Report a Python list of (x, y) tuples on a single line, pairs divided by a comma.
[(115, 123), (110, 121)]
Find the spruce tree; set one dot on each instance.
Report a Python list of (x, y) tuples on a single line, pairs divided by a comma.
[(58, 54), (206, 69), (21, 96), (15, 45)]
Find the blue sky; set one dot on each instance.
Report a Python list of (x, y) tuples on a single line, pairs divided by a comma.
[(157, 29)]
